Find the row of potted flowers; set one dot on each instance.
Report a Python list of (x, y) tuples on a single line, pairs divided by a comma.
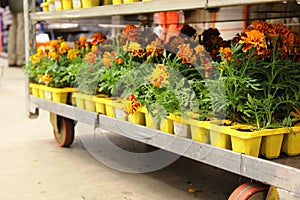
[(251, 80)]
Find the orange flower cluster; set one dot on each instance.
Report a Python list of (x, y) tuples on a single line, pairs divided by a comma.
[(155, 48), (131, 105), (107, 58), (286, 38), (98, 38), (90, 58), (185, 53), (226, 53), (131, 32), (47, 78), (254, 38), (159, 76), (72, 53)]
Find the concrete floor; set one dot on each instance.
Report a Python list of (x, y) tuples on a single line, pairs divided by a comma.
[(34, 168)]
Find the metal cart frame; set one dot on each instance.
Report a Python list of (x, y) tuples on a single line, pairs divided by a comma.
[(285, 178)]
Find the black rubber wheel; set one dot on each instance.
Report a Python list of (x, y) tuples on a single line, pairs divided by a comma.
[(64, 135)]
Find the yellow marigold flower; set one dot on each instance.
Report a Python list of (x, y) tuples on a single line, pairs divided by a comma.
[(73, 54), (200, 50), (90, 58), (130, 105), (159, 76), (35, 58), (132, 46), (96, 50), (64, 47), (254, 38), (41, 52), (53, 55)]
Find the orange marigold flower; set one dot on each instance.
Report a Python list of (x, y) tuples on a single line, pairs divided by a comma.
[(185, 53), (47, 78), (129, 27), (107, 59), (130, 104), (226, 53), (159, 76), (155, 48), (138, 52), (254, 38), (90, 58), (54, 44), (98, 38), (64, 47), (260, 25), (96, 50), (131, 33), (82, 41), (119, 60)]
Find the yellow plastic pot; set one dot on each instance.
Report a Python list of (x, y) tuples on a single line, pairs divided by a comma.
[(113, 108), (149, 120), (181, 127), (34, 89), (166, 125), (268, 141), (199, 130), (76, 4), (130, 1), (271, 146), (45, 7), (89, 103), (100, 106), (249, 146), (117, 2), (58, 5), (57, 94), (90, 3), (79, 100), (291, 142), (67, 4), (42, 91), (137, 117)]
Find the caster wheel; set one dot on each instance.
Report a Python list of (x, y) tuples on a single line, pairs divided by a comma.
[(250, 191), (64, 133)]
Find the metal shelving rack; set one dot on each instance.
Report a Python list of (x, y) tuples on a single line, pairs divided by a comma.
[(284, 177)]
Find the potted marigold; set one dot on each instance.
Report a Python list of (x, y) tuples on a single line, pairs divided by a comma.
[(47, 67), (259, 75)]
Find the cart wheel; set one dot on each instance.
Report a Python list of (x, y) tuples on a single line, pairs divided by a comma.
[(64, 133), (250, 191)]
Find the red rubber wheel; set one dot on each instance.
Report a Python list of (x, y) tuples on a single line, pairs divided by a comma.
[(64, 135), (250, 191)]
